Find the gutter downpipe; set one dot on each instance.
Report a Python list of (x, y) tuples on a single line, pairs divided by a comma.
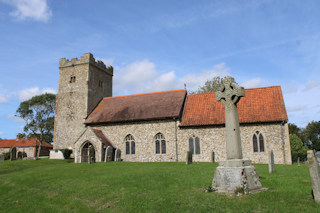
[(283, 142), (176, 137)]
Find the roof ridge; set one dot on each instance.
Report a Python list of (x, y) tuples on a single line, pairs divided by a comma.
[(148, 93), (278, 86)]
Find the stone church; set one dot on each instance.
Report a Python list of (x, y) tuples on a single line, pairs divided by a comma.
[(160, 126)]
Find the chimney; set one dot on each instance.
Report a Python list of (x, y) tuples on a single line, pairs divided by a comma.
[(18, 137)]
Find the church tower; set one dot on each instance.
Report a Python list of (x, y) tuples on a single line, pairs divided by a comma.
[(82, 84)]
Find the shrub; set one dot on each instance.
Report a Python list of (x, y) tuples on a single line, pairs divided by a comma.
[(66, 153), (6, 156)]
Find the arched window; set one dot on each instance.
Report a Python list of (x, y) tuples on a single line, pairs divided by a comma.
[(194, 145), (130, 145), (160, 143), (258, 147)]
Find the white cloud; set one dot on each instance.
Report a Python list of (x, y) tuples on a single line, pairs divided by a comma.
[(194, 81), (311, 84), (15, 119), (4, 99), (1, 133), (252, 83), (30, 92), (142, 76), (30, 9)]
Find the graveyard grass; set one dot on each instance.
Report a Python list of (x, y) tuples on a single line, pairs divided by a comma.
[(62, 186)]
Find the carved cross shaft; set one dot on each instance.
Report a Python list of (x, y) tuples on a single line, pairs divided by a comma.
[(229, 95)]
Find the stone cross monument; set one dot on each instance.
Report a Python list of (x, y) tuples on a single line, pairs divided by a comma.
[(235, 172), (229, 95)]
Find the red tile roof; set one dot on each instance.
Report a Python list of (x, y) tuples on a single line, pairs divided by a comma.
[(24, 142), (147, 106), (103, 138), (259, 105)]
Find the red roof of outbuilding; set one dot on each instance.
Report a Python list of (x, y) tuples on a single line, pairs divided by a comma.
[(259, 105), (147, 106), (103, 138), (23, 142)]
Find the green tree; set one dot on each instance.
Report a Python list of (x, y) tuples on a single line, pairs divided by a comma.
[(38, 113), (210, 86), (312, 134), (294, 129), (297, 148)]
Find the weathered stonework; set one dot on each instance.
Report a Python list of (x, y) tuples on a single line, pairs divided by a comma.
[(77, 97), (211, 140)]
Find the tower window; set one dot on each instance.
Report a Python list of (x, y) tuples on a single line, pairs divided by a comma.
[(72, 79)]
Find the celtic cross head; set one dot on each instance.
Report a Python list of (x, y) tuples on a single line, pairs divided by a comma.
[(230, 92)]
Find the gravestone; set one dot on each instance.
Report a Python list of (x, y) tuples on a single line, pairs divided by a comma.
[(271, 162), (13, 153), (1, 157), (92, 158), (109, 153), (188, 157), (298, 161), (117, 156), (235, 172), (213, 157), (314, 174)]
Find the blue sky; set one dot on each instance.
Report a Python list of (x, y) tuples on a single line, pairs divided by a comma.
[(160, 45)]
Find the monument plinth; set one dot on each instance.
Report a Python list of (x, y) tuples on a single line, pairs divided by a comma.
[(235, 172)]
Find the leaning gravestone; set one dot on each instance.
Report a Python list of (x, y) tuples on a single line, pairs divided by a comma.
[(188, 157), (109, 152), (117, 156), (235, 172), (314, 174), (271, 162), (13, 153), (1, 157)]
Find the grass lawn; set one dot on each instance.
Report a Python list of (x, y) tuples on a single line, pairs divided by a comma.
[(62, 186)]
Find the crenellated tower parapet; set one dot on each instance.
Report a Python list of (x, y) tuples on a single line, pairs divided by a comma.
[(87, 58)]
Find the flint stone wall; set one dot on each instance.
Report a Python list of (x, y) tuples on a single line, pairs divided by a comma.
[(30, 151), (212, 139)]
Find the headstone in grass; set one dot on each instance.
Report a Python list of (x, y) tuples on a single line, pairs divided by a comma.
[(1, 157), (314, 174), (271, 162), (109, 152), (188, 157), (117, 156), (298, 161), (235, 172), (13, 153)]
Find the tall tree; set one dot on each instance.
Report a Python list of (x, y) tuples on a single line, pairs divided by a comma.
[(210, 86), (297, 148), (38, 113), (312, 134)]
